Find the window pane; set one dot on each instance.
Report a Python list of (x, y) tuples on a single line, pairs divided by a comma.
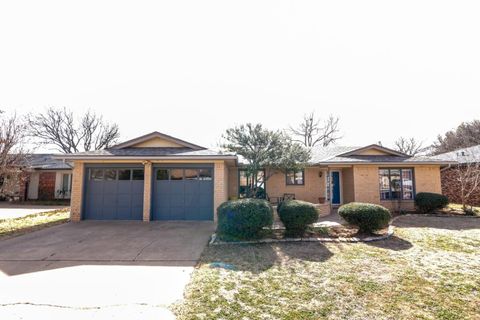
[(110, 174), (205, 174), (191, 174), (176, 174), (384, 184), (162, 174), (407, 181), (96, 174), (65, 182), (299, 177), (290, 177), (243, 181), (137, 174), (124, 174), (396, 183)]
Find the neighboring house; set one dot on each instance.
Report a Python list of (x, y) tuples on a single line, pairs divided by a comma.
[(41, 178), (450, 183), (159, 177)]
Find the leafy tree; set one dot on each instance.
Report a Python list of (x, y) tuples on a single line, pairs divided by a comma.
[(311, 131), (409, 146), (265, 149), (59, 127), (465, 135)]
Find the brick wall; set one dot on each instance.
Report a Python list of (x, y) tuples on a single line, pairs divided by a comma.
[(77, 191), (313, 188), (220, 186), (46, 186), (451, 188)]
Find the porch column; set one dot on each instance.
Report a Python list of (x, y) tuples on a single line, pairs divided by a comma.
[(220, 188), (77, 191), (147, 191)]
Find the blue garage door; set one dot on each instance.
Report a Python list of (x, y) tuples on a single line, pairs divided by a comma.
[(114, 194), (183, 194)]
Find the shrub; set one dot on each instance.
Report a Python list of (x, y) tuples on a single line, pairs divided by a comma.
[(296, 215), (427, 202), (243, 219), (366, 216)]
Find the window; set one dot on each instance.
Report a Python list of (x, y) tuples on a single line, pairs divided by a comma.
[(191, 174), (96, 174), (137, 174), (176, 174), (251, 185), (124, 174), (396, 184), (295, 177), (205, 174), (66, 182), (110, 174), (163, 174)]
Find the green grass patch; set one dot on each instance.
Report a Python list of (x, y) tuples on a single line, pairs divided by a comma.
[(32, 222)]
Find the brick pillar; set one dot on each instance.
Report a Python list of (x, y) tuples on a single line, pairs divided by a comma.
[(147, 192), (77, 192), (220, 188)]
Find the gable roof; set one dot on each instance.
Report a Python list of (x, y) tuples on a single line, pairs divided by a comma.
[(376, 147), (156, 135), (353, 155), (464, 155)]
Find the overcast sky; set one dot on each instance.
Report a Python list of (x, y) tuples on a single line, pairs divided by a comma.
[(194, 68)]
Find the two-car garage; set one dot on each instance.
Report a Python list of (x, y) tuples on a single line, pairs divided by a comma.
[(179, 192)]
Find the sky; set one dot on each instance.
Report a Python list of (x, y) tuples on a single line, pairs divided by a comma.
[(192, 69)]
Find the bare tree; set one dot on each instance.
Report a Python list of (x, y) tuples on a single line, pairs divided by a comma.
[(59, 127), (311, 131), (12, 156), (468, 176), (409, 146)]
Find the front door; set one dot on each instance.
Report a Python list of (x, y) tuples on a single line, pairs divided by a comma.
[(336, 187)]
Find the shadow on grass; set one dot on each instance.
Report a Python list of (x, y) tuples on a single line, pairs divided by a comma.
[(261, 257), (393, 243)]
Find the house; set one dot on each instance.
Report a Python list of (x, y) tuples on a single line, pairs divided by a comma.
[(48, 178), (159, 177), (450, 184), (40, 177)]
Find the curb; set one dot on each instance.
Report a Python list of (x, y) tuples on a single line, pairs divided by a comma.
[(214, 242)]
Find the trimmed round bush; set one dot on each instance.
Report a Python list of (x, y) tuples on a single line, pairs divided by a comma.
[(367, 217), (427, 202), (296, 215), (243, 219)]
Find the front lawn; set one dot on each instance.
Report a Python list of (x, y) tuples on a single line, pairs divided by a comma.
[(32, 222), (430, 269)]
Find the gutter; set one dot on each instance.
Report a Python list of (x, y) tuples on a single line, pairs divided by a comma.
[(389, 163), (139, 158)]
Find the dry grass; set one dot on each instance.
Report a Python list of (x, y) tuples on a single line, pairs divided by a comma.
[(426, 271), (455, 208), (32, 222)]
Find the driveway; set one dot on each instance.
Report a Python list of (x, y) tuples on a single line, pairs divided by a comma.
[(9, 211), (99, 269)]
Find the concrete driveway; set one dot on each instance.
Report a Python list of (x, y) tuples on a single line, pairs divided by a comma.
[(99, 270), (9, 211)]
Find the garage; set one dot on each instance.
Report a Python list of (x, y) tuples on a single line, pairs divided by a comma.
[(114, 193), (183, 193)]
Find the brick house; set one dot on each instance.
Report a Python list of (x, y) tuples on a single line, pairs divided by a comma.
[(41, 178), (159, 177), (449, 174)]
